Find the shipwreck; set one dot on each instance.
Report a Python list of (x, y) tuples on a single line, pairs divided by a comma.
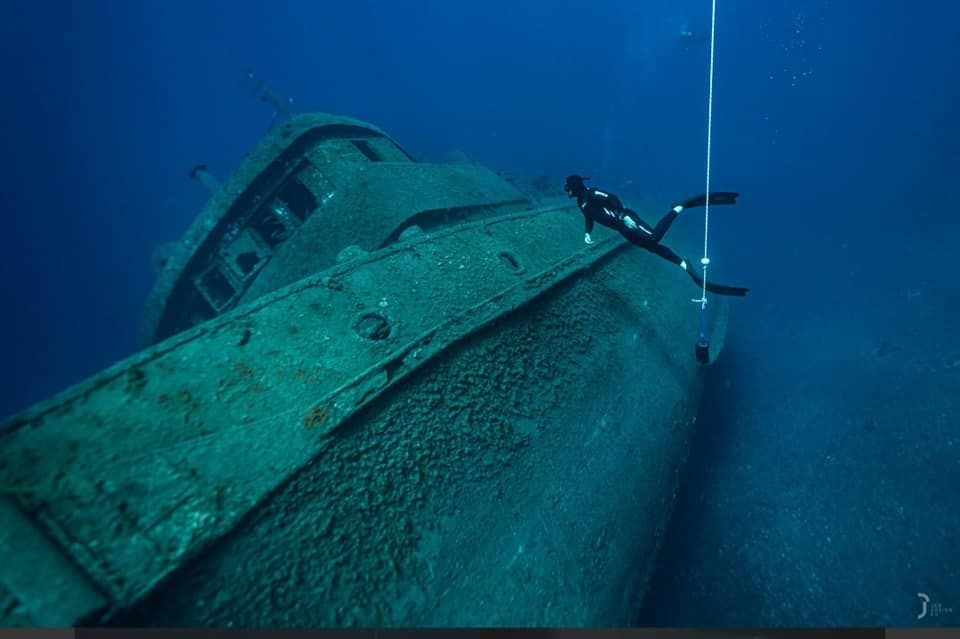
[(372, 391)]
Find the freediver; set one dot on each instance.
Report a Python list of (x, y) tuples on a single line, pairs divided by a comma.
[(606, 209)]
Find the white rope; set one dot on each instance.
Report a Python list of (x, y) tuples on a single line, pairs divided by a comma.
[(705, 261)]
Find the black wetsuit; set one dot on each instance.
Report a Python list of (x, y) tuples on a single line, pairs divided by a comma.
[(606, 209)]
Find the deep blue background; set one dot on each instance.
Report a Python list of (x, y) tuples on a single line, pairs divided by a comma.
[(836, 120)]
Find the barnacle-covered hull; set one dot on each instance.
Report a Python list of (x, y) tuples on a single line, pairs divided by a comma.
[(479, 424)]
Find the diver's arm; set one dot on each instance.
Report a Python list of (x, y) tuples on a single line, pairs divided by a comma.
[(587, 229)]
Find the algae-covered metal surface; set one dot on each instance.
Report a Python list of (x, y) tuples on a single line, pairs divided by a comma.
[(312, 187), (464, 417)]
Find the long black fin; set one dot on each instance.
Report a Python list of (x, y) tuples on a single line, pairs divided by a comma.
[(717, 197), (722, 289)]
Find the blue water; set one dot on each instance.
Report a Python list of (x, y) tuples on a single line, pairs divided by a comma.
[(822, 487)]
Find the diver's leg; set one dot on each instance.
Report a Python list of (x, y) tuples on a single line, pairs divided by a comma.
[(666, 253), (637, 232), (720, 289), (655, 233), (634, 225), (664, 224)]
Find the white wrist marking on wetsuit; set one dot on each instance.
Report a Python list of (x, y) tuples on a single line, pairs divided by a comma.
[(683, 264)]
